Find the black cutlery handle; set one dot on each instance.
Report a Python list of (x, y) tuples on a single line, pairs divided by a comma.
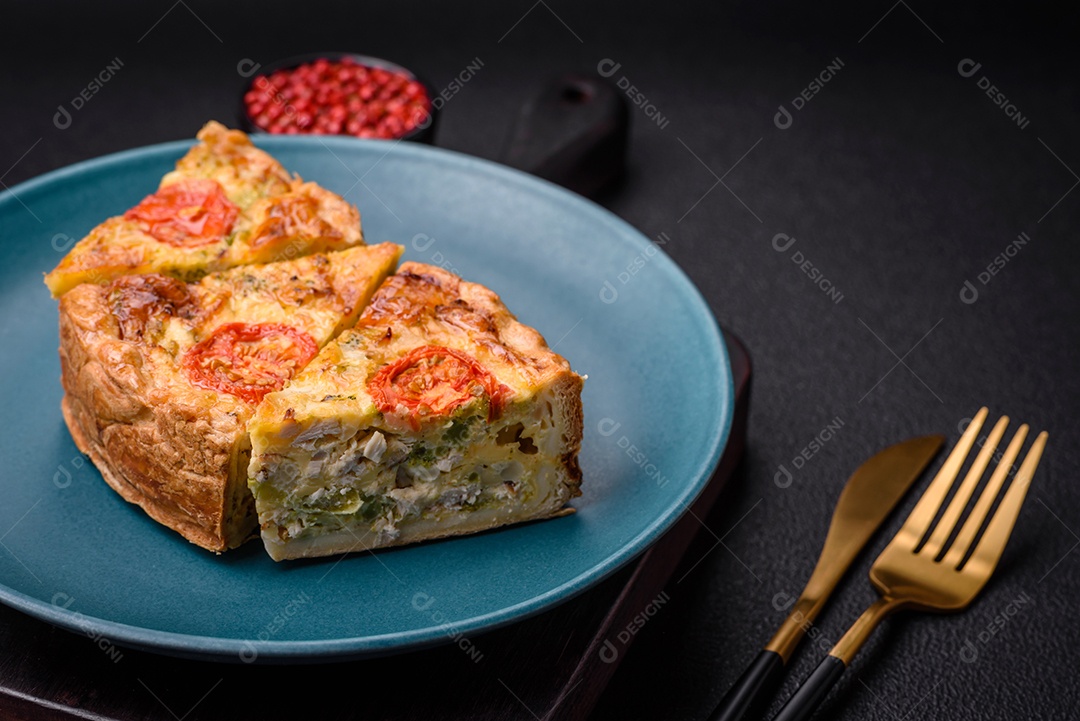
[(747, 698), (813, 690)]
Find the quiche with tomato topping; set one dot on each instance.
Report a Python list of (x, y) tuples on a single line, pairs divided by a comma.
[(226, 204), (439, 414), (161, 376)]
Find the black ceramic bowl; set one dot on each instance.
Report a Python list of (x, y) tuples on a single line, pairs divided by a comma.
[(422, 133)]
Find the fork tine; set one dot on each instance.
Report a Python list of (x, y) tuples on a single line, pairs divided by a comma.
[(985, 558), (986, 500), (922, 516), (963, 494)]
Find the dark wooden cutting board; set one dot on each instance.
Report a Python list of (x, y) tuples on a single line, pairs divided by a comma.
[(551, 666)]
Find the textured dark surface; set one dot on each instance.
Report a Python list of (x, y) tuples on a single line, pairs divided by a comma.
[(899, 181)]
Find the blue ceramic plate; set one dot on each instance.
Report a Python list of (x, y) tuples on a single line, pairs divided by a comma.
[(658, 406)]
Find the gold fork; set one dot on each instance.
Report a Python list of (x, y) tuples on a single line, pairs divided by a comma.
[(919, 569)]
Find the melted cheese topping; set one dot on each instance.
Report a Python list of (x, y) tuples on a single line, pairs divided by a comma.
[(318, 294), (228, 157)]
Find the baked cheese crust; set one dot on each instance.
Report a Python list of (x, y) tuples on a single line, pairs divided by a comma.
[(161, 377), (439, 414), (234, 205)]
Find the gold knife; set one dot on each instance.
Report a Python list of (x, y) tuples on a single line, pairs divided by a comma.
[(866, 501)]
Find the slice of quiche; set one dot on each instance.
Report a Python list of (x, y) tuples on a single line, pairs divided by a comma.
[(439, 414), (226, 204), (161, 377)]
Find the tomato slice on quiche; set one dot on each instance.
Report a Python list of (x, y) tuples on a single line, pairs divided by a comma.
[(226, 204), (248, 360), (161, 377), (431, 382), (186, 214), (439, 414)]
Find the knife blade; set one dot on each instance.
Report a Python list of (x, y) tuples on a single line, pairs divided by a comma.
[(870, 494)]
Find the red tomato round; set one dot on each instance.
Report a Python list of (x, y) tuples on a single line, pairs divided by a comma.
[(432, 381), (187, 214), (248, 360)]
